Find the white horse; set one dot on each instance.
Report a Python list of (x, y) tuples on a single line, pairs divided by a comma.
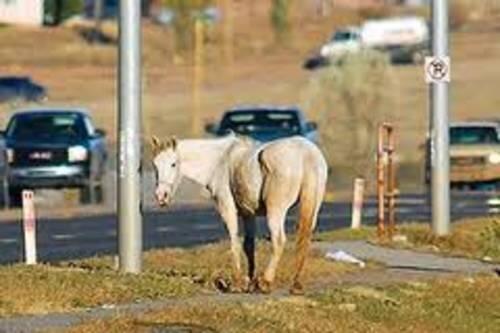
[(246, 179)]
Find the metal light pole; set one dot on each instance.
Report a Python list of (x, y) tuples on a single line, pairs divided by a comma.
[(440, 68), (129, 166)]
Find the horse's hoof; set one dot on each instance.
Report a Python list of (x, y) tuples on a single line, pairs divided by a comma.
[(222, 285), (236, 286), (241, 285), (253, 286), (297, 288), (263, 286)]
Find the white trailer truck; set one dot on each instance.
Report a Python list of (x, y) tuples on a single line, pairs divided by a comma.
[(404, 39)]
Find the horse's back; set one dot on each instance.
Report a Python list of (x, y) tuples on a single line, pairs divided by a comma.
[(290, 167), (292, 155)]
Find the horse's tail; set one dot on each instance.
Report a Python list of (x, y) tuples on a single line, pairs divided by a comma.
[(311, 196)]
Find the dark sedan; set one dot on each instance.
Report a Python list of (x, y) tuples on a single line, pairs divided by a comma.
[(265, 123), (55, 148), (14, 89)]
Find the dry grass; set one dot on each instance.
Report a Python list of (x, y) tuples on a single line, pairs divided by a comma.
[(460, 305), (476, 238), (45, 289), (167, 274)]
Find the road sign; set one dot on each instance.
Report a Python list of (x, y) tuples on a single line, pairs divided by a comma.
[(437, 69)]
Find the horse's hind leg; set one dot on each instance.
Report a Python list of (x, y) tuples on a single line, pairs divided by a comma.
[(249, 246), (276, 223), (308, 214)]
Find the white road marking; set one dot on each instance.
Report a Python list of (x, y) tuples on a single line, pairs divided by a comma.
[(8, 240), (63, 236), (165, 229), (400, 201)]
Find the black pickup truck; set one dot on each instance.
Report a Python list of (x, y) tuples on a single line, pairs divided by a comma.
[(265, 123), (55, 148)]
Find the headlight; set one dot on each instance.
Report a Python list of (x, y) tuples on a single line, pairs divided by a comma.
[(10, 155), (77, 154), (494, 158)]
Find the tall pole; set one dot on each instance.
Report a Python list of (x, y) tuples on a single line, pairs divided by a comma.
[(98, 13), (129, 166), (439, 135), (228, 34), (197, 77)]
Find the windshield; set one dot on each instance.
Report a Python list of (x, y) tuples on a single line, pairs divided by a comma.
[(340, 36), (259, 122), (47, 126), (473, 135)]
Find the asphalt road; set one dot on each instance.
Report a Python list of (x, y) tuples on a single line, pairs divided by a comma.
[(185, 226)]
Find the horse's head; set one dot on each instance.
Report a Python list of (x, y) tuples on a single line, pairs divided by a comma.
[(166, 163)]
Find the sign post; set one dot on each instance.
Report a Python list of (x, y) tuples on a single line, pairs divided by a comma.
[(437, 73), (129, 166), (29, 227)]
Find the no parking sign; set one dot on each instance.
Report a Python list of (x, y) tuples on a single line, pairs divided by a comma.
[(437, 69)]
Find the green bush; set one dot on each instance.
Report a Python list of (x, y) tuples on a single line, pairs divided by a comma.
[(352, 97)]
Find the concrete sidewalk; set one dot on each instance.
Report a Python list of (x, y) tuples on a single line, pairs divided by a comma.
[(400, 266)]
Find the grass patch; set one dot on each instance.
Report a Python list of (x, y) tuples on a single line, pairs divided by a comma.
[(476, 238), (172, 273), (364, 233), (43, 289), (459, 305)]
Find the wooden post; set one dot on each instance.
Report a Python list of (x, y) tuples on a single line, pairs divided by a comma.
[(29, 227), (386, 180), (357, 203), (228, 35), (391, 182)]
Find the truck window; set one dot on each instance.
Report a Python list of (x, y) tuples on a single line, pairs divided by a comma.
[(473, 135), (46, 126), (343, 36)]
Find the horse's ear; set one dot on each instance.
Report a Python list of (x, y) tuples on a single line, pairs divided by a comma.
[(156, 144), (173, 142)]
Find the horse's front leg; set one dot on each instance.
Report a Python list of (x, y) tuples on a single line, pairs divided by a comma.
[(229, 215)]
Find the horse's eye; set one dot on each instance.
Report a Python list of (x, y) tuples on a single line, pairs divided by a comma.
[(173, 165)]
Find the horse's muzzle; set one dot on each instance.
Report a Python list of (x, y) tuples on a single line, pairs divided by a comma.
[(163, 198)]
